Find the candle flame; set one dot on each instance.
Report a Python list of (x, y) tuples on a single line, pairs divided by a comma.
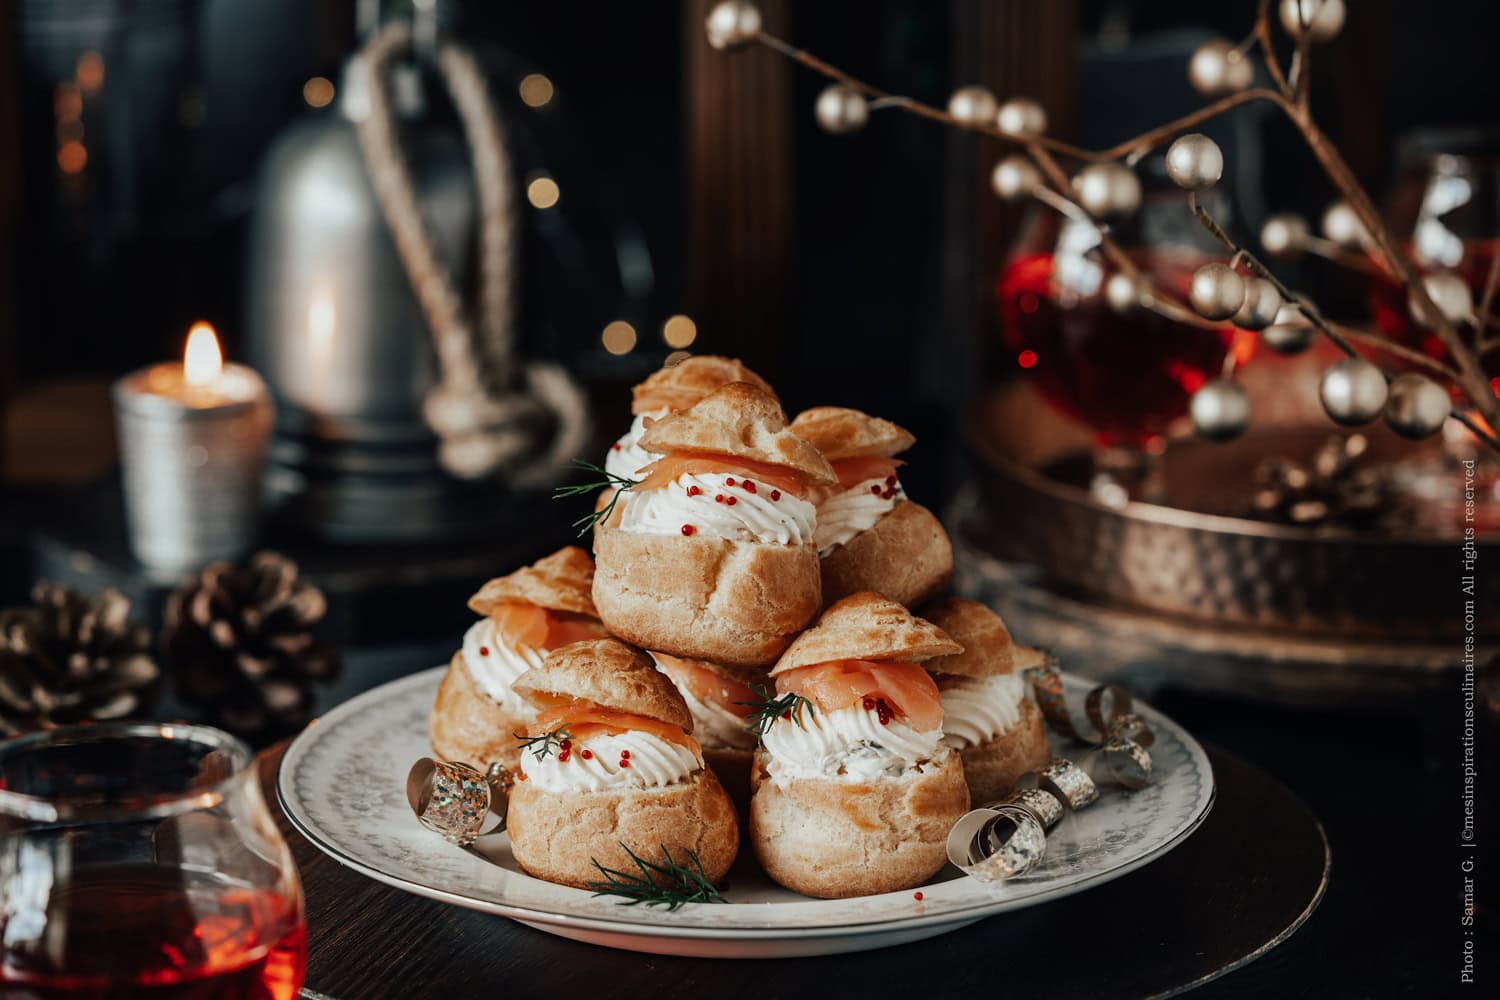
[(202, 362)]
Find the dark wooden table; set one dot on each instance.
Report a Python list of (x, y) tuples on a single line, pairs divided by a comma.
[(1238, 887)]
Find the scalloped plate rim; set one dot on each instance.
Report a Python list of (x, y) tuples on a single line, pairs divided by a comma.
[(773, 931)]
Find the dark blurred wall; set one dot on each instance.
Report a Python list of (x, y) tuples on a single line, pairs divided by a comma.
[(865, 272)]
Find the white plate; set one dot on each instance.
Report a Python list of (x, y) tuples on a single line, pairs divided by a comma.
[(343, 783)]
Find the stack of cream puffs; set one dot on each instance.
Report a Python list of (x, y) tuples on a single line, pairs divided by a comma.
[(855, 789), (526, 614), (739, 528), (609, 764), (989, 714), (713, 555), (870, 536)]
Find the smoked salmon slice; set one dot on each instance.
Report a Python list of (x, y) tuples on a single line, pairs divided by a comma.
[(666, 469), (708, 686), (540, 629), (584, 719), (905, 687), (853, 471)]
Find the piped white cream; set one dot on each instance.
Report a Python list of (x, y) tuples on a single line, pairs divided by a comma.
[(701, 500)]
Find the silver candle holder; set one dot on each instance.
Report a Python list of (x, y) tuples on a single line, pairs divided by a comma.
[(193, 442)]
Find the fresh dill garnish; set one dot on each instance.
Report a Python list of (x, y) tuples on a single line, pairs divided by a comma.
[(543, 746), (619, 484), (767, 710), (683, 884)]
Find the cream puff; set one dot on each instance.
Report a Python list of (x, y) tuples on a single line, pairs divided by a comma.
[(989, 715), (712, 558), (855, 790), (533, 610), (870, 536), (669, 390), (720, 699), (609, 765)]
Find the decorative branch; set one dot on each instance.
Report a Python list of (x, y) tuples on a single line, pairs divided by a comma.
[(736, 22)]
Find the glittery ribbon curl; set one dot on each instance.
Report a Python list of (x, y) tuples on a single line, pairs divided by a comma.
[(1006, 839)]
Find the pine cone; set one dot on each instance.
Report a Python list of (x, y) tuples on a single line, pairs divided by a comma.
[(69, 658), (243, 645)]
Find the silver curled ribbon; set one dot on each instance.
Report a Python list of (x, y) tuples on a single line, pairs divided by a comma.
[(1119, 736), (453, 799), (1007, 839)]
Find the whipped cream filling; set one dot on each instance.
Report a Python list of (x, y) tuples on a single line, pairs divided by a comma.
[(753, 517), (850, 743), (627, 457), (494, 665), (844, 515), (979, 709), (653, 762)]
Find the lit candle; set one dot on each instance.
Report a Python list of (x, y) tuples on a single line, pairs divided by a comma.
[(192, 448)]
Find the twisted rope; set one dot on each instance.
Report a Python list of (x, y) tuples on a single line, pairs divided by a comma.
[(490, 413)]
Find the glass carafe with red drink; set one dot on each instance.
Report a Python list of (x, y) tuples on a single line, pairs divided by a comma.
[(1128, 372), (141, 860)]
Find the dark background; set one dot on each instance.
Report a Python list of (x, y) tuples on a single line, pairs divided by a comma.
[(861, 273)]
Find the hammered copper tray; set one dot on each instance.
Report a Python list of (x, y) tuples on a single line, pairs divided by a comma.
[(1213, 567)]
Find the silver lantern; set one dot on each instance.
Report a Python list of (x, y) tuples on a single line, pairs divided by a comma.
[(337, 332)]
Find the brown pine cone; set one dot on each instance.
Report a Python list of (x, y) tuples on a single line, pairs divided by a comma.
[(243, 645), (70, 658)]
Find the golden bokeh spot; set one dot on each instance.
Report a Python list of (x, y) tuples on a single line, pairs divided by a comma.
[(679, 331), (676, 358), (619, 337), (536, 90), (90, 72), (543, 192), (318, 92), (72, 157)]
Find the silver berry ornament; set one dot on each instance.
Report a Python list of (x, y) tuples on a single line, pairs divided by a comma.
[(1291, 333), (1262, 304), (1283, 234), (732, 23), (1021, 116), (1417, 406), (1123, 292), (1321, 19), (972, 105), (1449, 292), (1015, 177), (1105, 189), (1195, 162), (1220, 410), (1341, 225), (1353, 392), (1216, 291), (841, 109), (1217, 68)]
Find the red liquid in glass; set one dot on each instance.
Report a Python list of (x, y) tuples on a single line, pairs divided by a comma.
[(1388, 308), (1127, 376), (161, 933)]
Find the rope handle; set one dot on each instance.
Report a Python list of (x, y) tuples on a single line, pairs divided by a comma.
[(489, 412)]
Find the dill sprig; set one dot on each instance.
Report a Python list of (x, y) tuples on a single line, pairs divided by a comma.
[(683, 884), (765, 712), (544, 745), (620, 484)]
